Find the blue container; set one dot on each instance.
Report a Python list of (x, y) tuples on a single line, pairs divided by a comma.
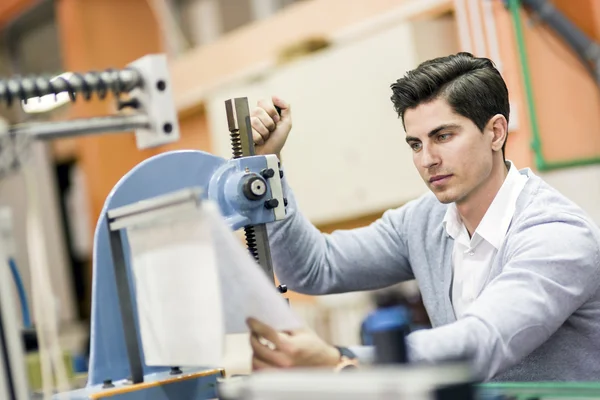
[(386, 329)]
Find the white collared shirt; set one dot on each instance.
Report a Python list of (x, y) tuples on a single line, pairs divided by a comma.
[(472, 258)]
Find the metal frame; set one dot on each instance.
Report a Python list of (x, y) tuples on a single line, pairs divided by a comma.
[(121, 218)]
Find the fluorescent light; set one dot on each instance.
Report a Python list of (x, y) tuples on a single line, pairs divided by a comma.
[(49, 102)]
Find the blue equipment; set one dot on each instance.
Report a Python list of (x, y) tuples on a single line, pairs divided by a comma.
[(248, 192)]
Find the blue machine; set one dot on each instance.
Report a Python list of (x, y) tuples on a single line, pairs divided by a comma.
[(248, 192)]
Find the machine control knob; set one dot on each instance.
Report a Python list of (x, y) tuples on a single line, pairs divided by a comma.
[(267, 173), (282, 288), (254, 188), (271, 203)]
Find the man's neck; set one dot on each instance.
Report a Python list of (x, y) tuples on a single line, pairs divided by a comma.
[(473, 208)]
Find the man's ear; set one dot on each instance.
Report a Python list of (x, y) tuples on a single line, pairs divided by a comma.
[(498, 126)]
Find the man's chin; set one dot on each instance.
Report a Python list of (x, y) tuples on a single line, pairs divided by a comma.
[(444, 198)]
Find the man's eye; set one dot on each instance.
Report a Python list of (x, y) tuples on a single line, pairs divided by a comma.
[(444, 136), (415, 146)]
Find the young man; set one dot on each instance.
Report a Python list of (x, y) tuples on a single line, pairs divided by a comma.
[(508, 268)]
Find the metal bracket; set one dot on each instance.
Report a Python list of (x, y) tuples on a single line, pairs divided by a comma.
[(155, 100)]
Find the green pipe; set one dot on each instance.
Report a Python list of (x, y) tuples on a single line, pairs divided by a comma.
[(536, 143)]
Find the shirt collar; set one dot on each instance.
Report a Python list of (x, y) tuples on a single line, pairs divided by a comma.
[(452, 222), (495, 222)]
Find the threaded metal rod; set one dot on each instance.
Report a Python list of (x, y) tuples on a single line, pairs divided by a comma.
[(86, 84)]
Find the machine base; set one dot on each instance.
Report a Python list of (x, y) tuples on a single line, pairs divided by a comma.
[(193, 384)]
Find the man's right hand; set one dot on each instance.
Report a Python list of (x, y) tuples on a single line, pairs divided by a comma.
[(270, 129)]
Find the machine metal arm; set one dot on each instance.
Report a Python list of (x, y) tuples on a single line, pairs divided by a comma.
[(242, 143), (80, 127), (142, 94)]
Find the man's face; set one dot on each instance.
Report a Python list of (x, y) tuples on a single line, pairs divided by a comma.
[(452, 155)]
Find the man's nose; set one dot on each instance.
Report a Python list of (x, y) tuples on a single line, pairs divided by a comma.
[(429, 158)]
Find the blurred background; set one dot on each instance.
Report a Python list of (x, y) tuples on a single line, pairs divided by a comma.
[(334, 61)]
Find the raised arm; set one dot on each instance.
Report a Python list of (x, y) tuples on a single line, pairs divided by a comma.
[(310, 262)]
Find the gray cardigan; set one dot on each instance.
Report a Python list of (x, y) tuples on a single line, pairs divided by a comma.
[(538, 316)]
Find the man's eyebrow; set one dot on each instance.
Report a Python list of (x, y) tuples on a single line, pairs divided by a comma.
[(433, 132), (441, 128)]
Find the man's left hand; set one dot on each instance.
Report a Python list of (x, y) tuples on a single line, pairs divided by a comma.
[(301, 348)]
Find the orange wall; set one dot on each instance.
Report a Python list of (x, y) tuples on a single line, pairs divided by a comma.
[(517, 146), (566, 98), (94, 37)]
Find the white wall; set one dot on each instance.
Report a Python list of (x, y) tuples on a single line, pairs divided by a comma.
[(581, 184), (346, 155)]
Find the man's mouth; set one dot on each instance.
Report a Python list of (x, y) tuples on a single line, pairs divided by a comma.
[(438, 179)]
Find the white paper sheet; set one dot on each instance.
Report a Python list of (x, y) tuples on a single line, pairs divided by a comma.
[(178, 291), (246, 290), (195, 281)]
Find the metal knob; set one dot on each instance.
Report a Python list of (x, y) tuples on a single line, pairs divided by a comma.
[(267, 173), (254, 188)]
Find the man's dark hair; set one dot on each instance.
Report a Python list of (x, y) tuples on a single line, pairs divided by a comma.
[(472, 86)]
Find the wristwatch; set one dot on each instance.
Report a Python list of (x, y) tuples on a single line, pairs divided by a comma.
[(348, 359)]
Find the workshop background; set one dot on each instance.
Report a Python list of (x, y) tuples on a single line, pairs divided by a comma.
[(333, 60)]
